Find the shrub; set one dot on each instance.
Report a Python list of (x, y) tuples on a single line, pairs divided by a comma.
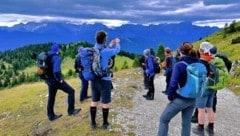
[(235, 40)]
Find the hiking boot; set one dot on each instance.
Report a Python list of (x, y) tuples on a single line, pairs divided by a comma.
[(164, 92), (105, 125), (197, 130), (194, 119), (76, 111), (55, 117), (88, 97), (149, 98), (210, 130), (93, 125), (145, 95)]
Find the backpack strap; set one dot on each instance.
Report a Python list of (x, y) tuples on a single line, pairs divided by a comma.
[(184, 62)]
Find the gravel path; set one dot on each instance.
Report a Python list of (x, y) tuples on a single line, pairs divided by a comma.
[(143, 118)]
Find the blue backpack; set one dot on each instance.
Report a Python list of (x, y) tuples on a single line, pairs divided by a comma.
[(88, 60), (196, 80)]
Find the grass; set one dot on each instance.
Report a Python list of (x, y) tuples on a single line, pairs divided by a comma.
[(23, 110)]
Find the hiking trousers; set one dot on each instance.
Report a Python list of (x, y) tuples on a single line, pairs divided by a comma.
[(53, 86), (84, 87)]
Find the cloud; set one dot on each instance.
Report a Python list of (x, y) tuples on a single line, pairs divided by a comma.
[(220, 23), (118, 12), (13, 19)]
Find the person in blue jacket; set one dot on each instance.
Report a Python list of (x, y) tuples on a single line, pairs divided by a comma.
[(178, 103), (101, 88), (55, 82), (150, 74)]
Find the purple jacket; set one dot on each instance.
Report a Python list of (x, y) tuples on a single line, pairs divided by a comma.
[(150, 66)]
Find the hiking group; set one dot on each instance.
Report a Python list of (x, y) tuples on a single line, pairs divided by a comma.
[(192, 80), (92, 65)]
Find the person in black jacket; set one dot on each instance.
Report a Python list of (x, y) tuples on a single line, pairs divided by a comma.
[(55, 82)]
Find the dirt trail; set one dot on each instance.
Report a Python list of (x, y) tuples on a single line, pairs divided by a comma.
[(143, 118)]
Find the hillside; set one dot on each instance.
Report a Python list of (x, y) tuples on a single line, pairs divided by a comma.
[(23, 109), (224, 40)]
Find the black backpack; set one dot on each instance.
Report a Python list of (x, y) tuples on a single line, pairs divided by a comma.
[(44, 67), (227, 62)]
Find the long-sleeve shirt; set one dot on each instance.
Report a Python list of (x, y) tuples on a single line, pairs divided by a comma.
[(106, 54)]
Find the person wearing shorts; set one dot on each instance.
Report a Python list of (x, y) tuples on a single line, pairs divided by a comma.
[(101, 88), (205, 102)]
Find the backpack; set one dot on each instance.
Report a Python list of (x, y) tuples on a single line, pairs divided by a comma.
[(156, 63), (228, 63), (43, 63), (223, 75), (213, 75), (196, 80), (89, 60)]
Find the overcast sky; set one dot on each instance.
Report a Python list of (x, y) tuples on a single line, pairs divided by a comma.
[(117, 12)]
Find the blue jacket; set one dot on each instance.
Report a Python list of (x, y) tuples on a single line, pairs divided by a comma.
[(106, 54), (150, 66), (179, 76), (56, 66)]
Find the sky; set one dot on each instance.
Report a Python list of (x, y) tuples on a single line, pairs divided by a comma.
[(114, 13)]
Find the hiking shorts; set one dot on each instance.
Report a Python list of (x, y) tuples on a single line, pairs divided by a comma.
[(101, 89), (206, 101)]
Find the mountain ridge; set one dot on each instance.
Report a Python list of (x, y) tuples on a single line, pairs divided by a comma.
[(134, 38)]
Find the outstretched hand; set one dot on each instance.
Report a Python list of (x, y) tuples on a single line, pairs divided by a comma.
[(114, 42)]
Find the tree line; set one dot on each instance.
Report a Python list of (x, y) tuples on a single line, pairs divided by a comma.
[(14, 62)]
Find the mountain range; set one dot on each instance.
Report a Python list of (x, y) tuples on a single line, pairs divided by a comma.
[(134, 38)]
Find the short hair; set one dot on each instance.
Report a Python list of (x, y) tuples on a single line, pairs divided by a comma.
[(101, 37)]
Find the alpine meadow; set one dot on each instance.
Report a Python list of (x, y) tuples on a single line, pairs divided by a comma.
[(23, 96)]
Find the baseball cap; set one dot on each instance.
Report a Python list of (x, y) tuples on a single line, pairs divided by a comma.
[(146, 52), (205, 47)]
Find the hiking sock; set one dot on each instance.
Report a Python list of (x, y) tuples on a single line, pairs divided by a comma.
[(210, 128), (93, 112), (201, 126), (105, 112), (211, 125)]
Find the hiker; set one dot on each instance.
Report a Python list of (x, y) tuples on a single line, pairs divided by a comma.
[(204, 103), (218, 79), (168, 67), (149, 63), (84, 82), (179, 103), (101, 88), (142, 63), (55, 82)]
